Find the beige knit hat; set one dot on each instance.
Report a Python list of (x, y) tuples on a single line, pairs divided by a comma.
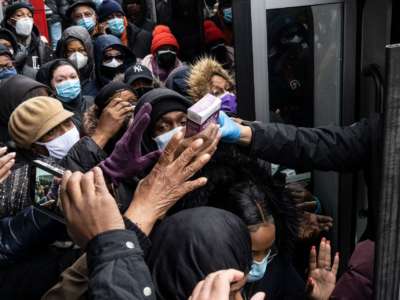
[(33, 118)]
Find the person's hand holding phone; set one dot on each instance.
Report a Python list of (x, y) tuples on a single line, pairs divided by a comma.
[(7, 161), (88, 206)]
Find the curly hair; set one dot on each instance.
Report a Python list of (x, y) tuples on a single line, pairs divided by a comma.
[(243, 186)]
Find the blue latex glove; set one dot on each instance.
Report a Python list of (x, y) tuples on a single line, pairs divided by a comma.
[(230, 131)]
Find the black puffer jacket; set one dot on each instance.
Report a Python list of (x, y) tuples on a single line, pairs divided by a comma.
[(331, 148), (139, 40), (58, 10)]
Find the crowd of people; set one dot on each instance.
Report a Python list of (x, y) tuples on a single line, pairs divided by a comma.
[(147, 212)]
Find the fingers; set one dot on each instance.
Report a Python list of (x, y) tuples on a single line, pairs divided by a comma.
[(327, 257), (181, 163), (321, 254), (168, 155), (307, 206), (6, 163), (73, 188), (190, 186), (313, 259), (87, 186), (136, 131), (258, 296), (151, 158), (335, 265), (99, 182), (195, 166), (65, 201)]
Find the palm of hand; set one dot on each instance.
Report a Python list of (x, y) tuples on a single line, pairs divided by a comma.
[(324, 283)]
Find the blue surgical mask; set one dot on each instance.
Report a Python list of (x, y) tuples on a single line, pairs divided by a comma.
[(228, 15), (258, 268), (116, 26), (7, 72), (68, 90), (87, 23), (163, 140)]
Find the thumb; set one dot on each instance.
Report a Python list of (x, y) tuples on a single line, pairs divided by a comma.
[(259, 296)]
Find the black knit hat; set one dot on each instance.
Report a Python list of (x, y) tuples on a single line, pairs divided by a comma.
[(103, 98), (10, 10)]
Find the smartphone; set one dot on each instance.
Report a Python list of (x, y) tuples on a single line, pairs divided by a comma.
[(46, 189)]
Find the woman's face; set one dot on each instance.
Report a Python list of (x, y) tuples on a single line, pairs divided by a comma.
[(169, 122), (262, 239), (75, 46), (63, 73), (218, 85), (57, 131)]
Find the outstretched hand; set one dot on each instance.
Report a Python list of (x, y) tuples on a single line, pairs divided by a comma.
[(127, 161), (322, 273), (169, 180)]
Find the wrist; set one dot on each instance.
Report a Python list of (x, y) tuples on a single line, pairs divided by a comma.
[(100, 138), (245, 135), (143, 217)]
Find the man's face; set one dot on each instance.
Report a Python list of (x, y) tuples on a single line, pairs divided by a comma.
[(169, 122), (83, 11)]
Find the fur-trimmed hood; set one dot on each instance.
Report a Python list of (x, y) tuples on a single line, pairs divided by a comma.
[(201, 74)]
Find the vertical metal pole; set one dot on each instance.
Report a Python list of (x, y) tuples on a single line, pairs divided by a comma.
[(387, 257)]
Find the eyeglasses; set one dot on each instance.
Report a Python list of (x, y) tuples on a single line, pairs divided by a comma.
[(108, 58)]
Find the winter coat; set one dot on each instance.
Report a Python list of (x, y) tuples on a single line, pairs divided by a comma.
[(144, 23), (28, 230), (74, 281), (357, 282), (59, 9), (200, 77), (331, 148), (87, 73), (160, 74), (36, 54), (78, 106), (101, 44), (139, 40)]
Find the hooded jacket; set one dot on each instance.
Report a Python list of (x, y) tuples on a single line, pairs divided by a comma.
[(78, 106), (13, 91), (87, 73), (157, 97), (177, 80), (200, 77), (37, 48), (194, 243), (102, 43)]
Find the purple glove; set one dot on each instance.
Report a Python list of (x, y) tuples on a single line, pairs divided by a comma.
[(126, 161), (229, 103)]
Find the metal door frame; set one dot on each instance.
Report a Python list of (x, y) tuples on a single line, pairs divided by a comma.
[(251, 47)]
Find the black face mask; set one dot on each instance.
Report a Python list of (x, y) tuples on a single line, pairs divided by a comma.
[(139, 92), (166, 59), (110, 73)]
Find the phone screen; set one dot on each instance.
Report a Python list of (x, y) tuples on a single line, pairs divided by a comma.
[(46, 192)]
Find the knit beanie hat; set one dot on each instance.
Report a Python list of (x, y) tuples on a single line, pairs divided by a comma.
[(33, 118), (10, 10), (212, 33), (162, 36), (108, 7)]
